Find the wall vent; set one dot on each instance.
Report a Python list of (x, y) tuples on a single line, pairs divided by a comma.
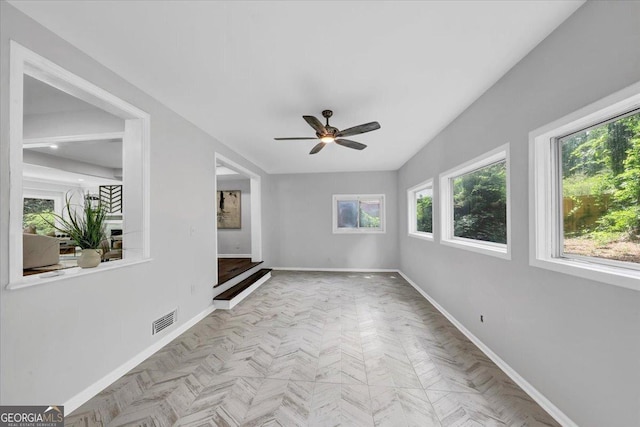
[(164, 322)]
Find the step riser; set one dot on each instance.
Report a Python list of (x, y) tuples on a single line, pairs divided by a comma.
[(232, 282), (229, 304)]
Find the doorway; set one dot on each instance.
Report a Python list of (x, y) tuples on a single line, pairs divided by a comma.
[(239, 222)]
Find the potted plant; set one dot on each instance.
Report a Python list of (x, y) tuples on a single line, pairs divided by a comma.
[(86, 227)]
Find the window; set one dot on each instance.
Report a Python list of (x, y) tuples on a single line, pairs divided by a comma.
[(38, 214), (420, 208), (475, 204), (358, 213), (68, 136), (586, 188)]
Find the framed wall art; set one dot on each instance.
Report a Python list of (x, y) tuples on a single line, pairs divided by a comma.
[(229, 209)]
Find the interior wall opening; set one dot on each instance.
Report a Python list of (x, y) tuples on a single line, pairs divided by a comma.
[(238, 222), (72, 145)]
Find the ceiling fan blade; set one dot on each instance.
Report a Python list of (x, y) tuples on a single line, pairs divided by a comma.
[(294, 138), (351, 144), (316, 124), (319, 146), (367, 127)]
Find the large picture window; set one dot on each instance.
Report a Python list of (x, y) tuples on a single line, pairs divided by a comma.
[(358, 213), (600, 197), (586, 188), (475, 204), (420, 208)]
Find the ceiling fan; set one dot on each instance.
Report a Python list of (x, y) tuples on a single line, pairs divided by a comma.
[(328, 134)]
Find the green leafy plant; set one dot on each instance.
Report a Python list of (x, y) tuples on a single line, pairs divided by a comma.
[(424, 214), (85, 225)]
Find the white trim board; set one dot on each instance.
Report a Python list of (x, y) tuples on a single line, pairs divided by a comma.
[(545, 403), (47, 140), (79, 399), (229, 304), (234, 255), (342, 270)]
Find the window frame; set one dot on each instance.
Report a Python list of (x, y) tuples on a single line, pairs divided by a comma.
[(412, 214), (358, 197), (546, 233), (137, 129), (447, 237)]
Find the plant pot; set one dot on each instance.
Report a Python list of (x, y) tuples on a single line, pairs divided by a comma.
[(89, 258)]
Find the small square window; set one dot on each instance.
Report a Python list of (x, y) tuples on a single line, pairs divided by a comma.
[(358, 213)]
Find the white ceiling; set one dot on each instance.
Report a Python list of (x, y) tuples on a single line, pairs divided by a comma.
[(246, 72)]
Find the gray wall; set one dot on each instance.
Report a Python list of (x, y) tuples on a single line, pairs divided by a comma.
[(299, 209), (59, 338), (577, 341), (232, 241)]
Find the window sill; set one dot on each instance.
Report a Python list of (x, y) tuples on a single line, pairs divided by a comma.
[(422, 236), (357, 231), (54, 276), (623, 277), (498, 250)]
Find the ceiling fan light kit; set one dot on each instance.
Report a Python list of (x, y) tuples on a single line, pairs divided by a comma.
[(328, 134)]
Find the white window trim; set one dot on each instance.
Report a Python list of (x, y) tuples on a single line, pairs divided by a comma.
[(137, 128), (412, 214), (447, 237), (364, 230), (544, 227)]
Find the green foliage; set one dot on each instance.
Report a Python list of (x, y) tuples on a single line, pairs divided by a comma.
[(33, 212), (369, 221), (480, 204), (41, 221), (424, 214), (31, 206), (85, 226), (582, 185), (605, 162)]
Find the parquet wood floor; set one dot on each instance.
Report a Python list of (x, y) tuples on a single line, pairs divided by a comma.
[(318, 349)]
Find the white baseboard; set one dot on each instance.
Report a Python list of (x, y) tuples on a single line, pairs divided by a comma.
[(545, 403), (79, 399), (342, 270), (234, 255), (229, 304)]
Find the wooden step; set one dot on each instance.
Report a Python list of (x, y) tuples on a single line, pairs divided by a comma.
[(228, 268), (237, 293)]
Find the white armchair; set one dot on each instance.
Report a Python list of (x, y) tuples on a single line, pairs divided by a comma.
[(39, 251)]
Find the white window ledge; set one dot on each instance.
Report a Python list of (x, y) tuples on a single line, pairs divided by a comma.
[(487, 248), (68, 273), (358, 231), (421, 235), (623, 277)]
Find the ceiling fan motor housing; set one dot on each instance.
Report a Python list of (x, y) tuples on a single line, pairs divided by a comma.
[(331, 131)]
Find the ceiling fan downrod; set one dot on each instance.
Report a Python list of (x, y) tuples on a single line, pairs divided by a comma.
[(326, 114)]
